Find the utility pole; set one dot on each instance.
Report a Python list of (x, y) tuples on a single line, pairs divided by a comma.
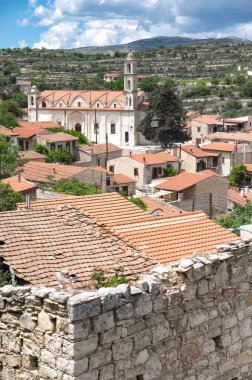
[(210, 205), (96, 129), (106, 158)]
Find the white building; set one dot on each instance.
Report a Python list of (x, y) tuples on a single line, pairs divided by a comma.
[(95, 113)]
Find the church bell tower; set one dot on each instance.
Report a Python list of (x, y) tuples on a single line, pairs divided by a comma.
[(130, 82)]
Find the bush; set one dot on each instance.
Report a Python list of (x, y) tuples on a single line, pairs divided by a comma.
[(74, 187), (63, 156), (238, 175), (138, 202), (100, 279), (169, 171)]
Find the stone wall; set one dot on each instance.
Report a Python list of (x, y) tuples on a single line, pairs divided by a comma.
[(190, 321)]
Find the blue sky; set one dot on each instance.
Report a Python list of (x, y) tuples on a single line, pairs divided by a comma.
[(73, 23)]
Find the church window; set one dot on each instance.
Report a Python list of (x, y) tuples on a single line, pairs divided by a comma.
[(32, 100), (78, 127), (130, 102), (112, 168), (126, 137), (129, 68), (135, 172), (79, 104), (98, 105), (129, 85), (60, 104), (112, 129), (127, 101), (114, 105), (43, 104)]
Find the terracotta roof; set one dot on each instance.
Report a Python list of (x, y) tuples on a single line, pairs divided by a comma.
[(121, 179), (59, 137), (20, 186), (219, 146), (248, 196), (100, 169), (7, 132), (184, 180), (26, 133), (153, 158), (209, 119), (112, 75), (99, 148), (237, 136), (52, 247), (236, 197), (39, 171), (170, 239), (249, 167), (196, 151), (31, 155), (107, 208), (163, 209), (39, 124)]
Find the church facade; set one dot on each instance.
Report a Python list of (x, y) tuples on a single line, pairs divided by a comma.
[(95, 113)]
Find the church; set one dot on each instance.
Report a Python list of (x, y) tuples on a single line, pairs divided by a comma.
[(95, 113)]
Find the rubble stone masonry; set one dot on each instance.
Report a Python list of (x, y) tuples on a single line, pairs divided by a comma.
[(190, 321)]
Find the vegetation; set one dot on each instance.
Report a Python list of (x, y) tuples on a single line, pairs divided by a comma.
[(62, 156), (8, 157), (162, 123), (169, 171), (100, 279), (9, 198), (238, 175), (82, 139), (238, 217), (5, 276), (138, 202), (74, 187)]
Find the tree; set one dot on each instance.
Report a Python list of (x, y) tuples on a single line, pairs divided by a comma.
[(138, 202), (9, 198), (238, 217), (163, 121), (62, 156), (74, 187), (148, 84), (82, 139), (238, 175), (8, 157), (169, 171)]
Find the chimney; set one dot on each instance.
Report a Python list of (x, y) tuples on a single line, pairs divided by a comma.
[(54, 170), (19, 177), (144, 159)]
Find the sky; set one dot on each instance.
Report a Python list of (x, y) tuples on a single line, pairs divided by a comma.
[(55, 24)]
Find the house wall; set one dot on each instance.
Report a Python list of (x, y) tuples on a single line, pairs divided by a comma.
[(204, 130), (32, 141), (189, 162), (131, 188), (191, 321), (92, 177), (93, 159)]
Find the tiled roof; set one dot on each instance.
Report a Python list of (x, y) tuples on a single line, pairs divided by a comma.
[(121, 179), (236, 197), (209, 119), (237, 136), (170, 239), (26, 133), (99, 148), (107, 208), (100, 169), (6, 131), (39, 171), (162, 209), (59, 137), (52, 247), (39, 124), (184, 180), (219, 146), (248, 196), (153, 158), (21, 186), (196, 151), (31, 155), (249, 167)]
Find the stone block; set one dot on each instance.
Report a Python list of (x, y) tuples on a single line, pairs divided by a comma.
[(85, 347), (189, 352), (84, 305), (107, 372), (45, 322), (46, 372), (99, 359), (125, 311), (122, 349), (104, 322), (27, 322), (142, 339), (143, 305), (142, 357), (110, 298), (153, 368), (161, 332)]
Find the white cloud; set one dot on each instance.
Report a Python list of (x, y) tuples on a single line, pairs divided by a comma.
[(22, 44), (23, 22), (58, 36), (32, 3)]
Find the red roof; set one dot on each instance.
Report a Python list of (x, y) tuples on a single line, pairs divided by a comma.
[(7, 132), (236, 136), (39, 124), (58, 137), (121, 179), (19, 185), (162, 209), (236, 197), (219, 146), (209, 119), (99, 148), (153, 158), (184, 180), (196, 151), (31, 155), (26, 133)]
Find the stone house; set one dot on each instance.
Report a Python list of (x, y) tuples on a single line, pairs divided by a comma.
[(30, 155), (225, 137), (203, 125), (194, 159), (204, 190), (235, 198), (124, 184), (57, 141), (9, 135), (27, 137), (21, 185), (98, 154), (143, 167)]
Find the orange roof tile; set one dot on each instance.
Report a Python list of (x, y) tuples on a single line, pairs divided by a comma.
[(237, 136), (219, 146), (169, 239), (58, 137), (100, 169), (20, 186), (163, 209), (184, 180), (99, 148), (7, 132), (121, 179), (107, 208), (249, 167), (209, 119), (39, 124), (235, 197), (26, 133), (196, 151), (31, 155), (63, 246), (153, 158)]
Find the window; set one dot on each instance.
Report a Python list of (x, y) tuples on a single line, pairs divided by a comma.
[(112, 129), (129, 68), (126, 137), (98, 161), (77, 127), (60, 104), (125, 189), (79, 104), (130, 102), (27, 144), (97, 105), (198, 129), (129, 85), (115, 107), (159, 170), (32, 100), (135, 171), (112, 168), (107, 181), (52, 146), (43, 104), (223, 160), (59, 146), (68, 144)]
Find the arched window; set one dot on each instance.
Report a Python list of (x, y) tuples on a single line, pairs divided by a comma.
[(130, 102), (129, 68), (114, 105), (97, 105), (79, 104), (60, 104), (32, 100), (129, 85), (112, 129), (126, 137), (43, 104), (78, 127)]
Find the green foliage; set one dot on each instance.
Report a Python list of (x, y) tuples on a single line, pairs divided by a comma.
[(169, 171), (39, 148), (138, 202), (82, 139), (238, 175), (11, 106), (74, 187), (62, 156), (163, 121), (246, 89), (100, 279), (8, 157), (115, 85), (238, 217), (148, 84), (231, 108), (5, 276), (9, 198)]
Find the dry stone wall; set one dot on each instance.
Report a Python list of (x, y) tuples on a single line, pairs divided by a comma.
[(190, 321)]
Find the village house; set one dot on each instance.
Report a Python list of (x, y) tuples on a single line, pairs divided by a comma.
[(236, 138), (111, 76), (203, 125), (229, 155), (124, 184), (194, 159), (27, 137), (96, 114), (143, 167), (58, 141), (9, 135), (97, 154), (30, 155), (196, 191), (235, 198), (21, 185)]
